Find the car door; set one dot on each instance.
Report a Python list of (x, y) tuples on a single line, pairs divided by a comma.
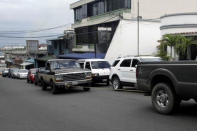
[(124, 70), (135, 62)]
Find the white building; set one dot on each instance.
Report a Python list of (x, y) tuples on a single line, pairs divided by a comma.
[(184, 24), (92, 15), (124, 41)]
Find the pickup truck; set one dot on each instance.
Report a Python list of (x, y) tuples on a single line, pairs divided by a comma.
[(168, 83), (60, 73)]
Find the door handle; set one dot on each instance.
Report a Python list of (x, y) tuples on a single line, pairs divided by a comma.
[(118, 69), (131, 70)]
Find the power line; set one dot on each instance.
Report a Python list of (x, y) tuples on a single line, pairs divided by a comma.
[(20, 37), (32, 31)]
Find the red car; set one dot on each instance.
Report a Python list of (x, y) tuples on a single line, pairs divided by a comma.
[(30, 76)]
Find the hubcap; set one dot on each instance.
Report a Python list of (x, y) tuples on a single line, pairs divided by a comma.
[(162, 98), (116, 84)]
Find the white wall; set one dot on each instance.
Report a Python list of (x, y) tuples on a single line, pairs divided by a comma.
[(156, 8), (124, 41), (179, 20)]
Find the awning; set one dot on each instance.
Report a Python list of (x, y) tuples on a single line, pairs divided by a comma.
[(45, 58), (26, 64), (31, 60), (82, 56)]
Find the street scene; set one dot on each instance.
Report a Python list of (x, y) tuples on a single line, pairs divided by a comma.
[(96, 65), (26, 107)]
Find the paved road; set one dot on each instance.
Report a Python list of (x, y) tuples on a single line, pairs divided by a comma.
[(24, 107)]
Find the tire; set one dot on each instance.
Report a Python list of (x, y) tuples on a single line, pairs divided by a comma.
[(44, 86), (54, 88), (164, 99), (116, 84), (27, 80), (86, 89)]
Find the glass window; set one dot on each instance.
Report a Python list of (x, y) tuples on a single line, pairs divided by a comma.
[(88, 65), (115, 63), (135, 62), (64, 64), (100, 64), (126, 63), (81, 65)]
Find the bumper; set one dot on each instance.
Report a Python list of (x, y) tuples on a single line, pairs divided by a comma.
[(73, 83), (22, 77), (100, 78)]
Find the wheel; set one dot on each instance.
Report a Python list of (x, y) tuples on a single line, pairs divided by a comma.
[(54, 88), (164, 99), (116, 84), (86, 89), (44, 86)]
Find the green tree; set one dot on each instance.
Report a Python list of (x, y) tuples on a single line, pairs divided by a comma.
[(179, 42), (169, 40)]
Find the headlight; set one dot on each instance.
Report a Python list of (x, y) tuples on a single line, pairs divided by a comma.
[(96, 74), (59, 78), (88, 74)]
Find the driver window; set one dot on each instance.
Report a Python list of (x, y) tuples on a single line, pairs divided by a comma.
[(88, 65), (126, 63), (135, 62)]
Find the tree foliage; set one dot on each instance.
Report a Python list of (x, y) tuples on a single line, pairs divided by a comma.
[(179, 42)]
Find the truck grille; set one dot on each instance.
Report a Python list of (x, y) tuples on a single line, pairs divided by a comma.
[(73, 77)]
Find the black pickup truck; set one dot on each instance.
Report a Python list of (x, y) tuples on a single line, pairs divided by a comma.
[(168, 83)]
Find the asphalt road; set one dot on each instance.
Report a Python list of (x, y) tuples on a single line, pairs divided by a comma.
[(25, 107)]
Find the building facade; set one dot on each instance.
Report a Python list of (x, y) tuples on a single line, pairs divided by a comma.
[(61, 45), (95, 21), (184, 24)]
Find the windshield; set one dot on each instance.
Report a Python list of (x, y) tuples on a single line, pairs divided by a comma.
[(64, 64), (100, 64), (33, 71), (23, 71), (156, 59)]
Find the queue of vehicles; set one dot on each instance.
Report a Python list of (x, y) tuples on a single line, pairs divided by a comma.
[(15, 73), (168, 83)]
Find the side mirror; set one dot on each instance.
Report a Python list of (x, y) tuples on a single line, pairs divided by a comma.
[(135, 66)]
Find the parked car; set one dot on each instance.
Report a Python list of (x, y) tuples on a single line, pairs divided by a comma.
[(123, 70), (63, 74), (5, 72), (22, 74), (168, 83), (100, 69), (14, 72), (31, 75)]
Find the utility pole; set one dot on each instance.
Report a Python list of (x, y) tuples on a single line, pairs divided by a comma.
[(138, 27)]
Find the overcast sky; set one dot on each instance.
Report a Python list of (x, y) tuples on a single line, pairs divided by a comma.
[(33, 15)]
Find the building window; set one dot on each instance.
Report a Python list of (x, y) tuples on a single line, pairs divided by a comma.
[(100, 7)]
